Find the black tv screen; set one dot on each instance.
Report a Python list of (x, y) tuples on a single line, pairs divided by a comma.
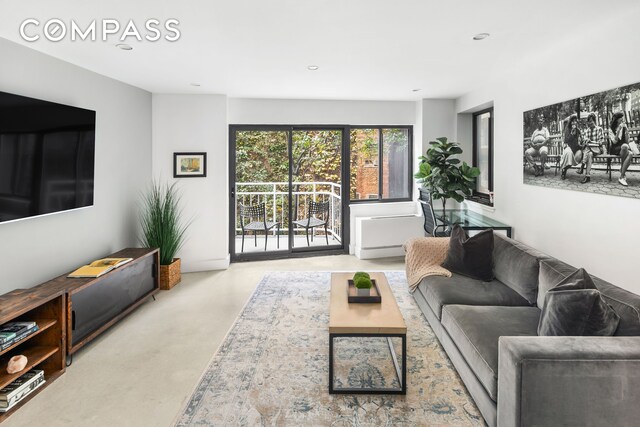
[(46, 157)]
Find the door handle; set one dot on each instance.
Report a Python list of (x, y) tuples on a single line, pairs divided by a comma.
[(233, 192)]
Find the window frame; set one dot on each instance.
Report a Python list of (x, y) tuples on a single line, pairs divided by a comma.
[(479, 197), (380, 128)]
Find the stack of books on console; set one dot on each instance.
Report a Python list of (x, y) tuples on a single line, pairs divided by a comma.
[(12, 332), (20, 388)]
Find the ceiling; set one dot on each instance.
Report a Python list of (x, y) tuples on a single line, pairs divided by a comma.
[(365, 49)]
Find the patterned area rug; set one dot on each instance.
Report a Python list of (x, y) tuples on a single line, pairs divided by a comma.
[(272, 368)]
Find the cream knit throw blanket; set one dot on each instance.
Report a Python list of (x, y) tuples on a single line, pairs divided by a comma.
[(424, 256)]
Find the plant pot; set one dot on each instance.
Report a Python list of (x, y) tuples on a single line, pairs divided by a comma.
[(170, 275), (363, 292)]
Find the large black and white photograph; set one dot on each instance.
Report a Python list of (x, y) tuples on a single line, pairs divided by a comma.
[(591, 143)]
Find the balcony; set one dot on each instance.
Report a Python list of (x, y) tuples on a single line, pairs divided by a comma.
[(275, 196)]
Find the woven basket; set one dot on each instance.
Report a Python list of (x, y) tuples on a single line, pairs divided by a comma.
[(170, 275)]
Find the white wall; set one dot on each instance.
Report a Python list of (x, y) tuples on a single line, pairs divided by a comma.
[(196, 123), (35, 250), (417, 146), (464, 136), (313, 112), (587, 230), (438, 119), (294, 111)]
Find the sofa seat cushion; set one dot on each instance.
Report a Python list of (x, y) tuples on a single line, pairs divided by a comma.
[(476, 329), (457, 289)]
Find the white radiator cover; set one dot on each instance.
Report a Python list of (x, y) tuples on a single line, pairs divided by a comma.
[(383, 236)]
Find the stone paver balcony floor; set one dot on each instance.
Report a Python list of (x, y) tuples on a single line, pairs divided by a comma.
[(599, 184)]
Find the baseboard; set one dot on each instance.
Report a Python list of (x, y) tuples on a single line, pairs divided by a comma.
[(205, 265), (384, 252)]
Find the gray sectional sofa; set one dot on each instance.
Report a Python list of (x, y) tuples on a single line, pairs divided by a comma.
[(517, 378)]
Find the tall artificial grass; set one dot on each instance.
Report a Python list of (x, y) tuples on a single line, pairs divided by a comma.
[(162, 226)]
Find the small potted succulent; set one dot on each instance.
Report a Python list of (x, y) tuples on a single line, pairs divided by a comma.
[(363, 284)]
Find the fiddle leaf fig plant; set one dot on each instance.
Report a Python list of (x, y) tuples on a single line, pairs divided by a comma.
[(443, 175)]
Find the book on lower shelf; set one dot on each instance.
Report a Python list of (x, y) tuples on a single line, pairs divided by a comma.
[(24, 333), (6, 337), (99, 267), (19, 330), (20, 388)]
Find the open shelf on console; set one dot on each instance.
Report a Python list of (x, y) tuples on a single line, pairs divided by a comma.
[(43, 325), (45, 348), (35, 356)]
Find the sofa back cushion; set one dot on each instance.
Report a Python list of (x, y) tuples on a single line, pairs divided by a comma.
[(516, 265), (626, 304), (552, 272)]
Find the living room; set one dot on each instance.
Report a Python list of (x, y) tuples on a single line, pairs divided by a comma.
[(280, 65)]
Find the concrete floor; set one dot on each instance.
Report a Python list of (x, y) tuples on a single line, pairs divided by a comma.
[(141, 371)]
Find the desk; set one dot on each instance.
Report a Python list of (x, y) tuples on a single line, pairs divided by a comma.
[(470, 220)]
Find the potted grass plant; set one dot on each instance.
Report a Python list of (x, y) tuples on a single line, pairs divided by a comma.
[(164, 228)]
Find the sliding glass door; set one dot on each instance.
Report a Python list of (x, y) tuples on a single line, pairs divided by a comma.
[(286, 191), (259, 208), (316, 188)]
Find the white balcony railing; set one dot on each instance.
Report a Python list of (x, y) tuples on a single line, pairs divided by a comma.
[(275, 196)]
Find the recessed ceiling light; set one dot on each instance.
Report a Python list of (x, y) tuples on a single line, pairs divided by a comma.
[(124, 46), (481, 36), (195, 84), (312, 67), (416, 90)]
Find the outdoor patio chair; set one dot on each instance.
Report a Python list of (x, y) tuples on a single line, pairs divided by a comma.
[(257, 222), (315, 209), (431, 225)]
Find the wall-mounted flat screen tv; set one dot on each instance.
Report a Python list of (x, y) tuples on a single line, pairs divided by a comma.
[(46, 157)]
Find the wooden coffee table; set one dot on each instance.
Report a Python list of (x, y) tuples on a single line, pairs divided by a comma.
[(366, 320)]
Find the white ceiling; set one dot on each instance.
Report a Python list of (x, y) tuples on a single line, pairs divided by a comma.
[(366, 49)]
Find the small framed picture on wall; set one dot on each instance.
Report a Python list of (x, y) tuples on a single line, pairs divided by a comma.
[(189, 165)]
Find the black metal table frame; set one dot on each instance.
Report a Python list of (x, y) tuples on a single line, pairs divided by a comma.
[(402, 376), (480, 228)]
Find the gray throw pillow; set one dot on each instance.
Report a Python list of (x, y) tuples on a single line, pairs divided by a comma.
[(470, 256), (574, 307)]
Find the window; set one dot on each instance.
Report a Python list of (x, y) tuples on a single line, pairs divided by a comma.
[(381, 167), (483, 155)]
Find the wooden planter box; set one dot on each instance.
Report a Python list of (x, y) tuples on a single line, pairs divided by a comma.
[(170, 275)]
